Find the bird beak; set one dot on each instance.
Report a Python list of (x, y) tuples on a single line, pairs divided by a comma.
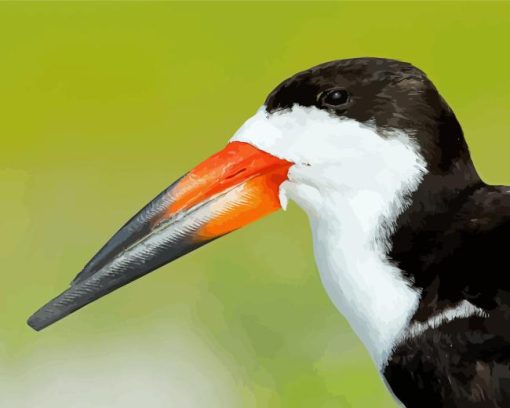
[(232, 188)]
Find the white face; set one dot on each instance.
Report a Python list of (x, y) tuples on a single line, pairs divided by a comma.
[(332, 155), (353, 184)]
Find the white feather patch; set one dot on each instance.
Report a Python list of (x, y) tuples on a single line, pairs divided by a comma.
[(462, 310)]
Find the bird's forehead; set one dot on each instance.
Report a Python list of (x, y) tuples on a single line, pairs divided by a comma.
[(363, 80), (387, 93)]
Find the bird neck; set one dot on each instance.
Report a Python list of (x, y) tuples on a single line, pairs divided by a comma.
[(364, 251), (350, 244), (366, 257)]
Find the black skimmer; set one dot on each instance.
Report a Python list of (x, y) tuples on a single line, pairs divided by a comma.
[(409, 242)]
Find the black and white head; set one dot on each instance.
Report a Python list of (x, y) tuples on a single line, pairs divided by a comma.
[(366, 136)]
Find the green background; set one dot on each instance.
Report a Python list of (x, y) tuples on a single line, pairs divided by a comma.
[(104, 104)]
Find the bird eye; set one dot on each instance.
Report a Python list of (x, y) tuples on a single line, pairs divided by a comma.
[(334, 98)]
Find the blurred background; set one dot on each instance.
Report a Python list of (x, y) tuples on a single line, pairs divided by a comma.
[(104, 104)]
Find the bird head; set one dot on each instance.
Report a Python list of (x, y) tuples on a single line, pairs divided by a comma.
[(362, 130)]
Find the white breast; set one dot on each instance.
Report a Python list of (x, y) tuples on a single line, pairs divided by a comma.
[(365, 287)]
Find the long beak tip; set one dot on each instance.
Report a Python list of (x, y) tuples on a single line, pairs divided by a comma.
[(35, 322)]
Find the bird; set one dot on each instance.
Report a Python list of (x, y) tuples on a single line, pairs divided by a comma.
[(409, 242)]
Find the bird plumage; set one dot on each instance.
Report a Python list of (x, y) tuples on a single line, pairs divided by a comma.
[(449, 242), (409, 241)]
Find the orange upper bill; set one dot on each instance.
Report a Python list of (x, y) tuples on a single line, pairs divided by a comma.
[(245, 182)]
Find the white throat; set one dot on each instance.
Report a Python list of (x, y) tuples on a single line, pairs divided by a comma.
[(353, 183), (351, 255)]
